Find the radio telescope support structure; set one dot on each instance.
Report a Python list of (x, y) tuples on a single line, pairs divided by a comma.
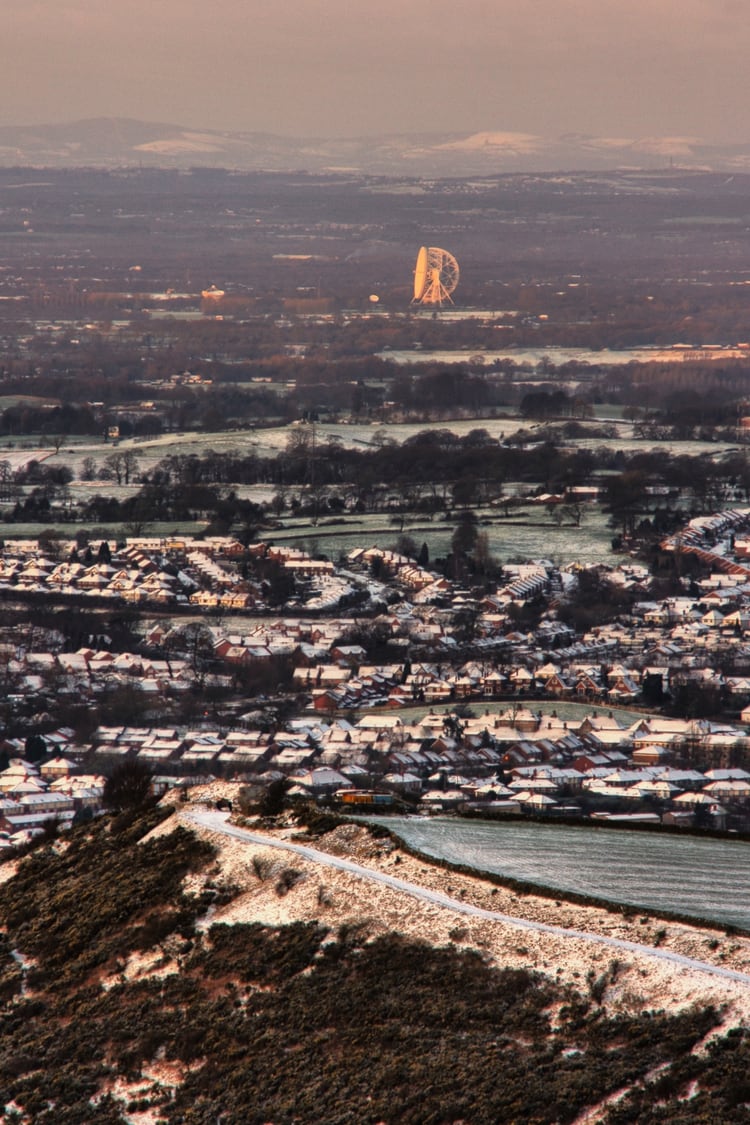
[(435, 276)]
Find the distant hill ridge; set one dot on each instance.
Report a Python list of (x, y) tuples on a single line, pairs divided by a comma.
[(117, 142)]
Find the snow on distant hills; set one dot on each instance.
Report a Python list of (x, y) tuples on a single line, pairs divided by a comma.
[(504, 143), (121, 142)]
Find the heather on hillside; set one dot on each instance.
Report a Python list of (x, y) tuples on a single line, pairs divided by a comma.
[(299, 1023)]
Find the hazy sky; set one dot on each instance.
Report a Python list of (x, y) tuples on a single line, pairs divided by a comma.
[(347, 67)]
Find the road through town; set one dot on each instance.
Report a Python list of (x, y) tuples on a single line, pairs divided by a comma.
[(218, 822)]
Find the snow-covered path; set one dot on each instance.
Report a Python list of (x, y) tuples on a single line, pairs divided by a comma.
[(217, 822)]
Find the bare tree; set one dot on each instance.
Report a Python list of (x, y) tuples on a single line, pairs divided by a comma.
[(115, 464), (129, 464), (128, 786), (88, 469)]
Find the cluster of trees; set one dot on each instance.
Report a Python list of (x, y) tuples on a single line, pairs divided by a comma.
[(553, 402), (425, 469), (594, 600), (432, 471), (339, 372), (436, 468)]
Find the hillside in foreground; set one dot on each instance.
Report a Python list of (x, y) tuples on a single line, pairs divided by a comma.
[(152, 973)]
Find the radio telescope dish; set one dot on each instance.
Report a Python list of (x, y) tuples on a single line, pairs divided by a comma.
[(420, 274), (435, 276)]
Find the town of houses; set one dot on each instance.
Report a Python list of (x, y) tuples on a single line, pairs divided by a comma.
[(511, 761), (451, 718)]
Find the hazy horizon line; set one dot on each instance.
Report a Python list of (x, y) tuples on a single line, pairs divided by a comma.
[(570, 133)]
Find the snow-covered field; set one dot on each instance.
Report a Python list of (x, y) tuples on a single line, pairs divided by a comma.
[(536, 539)]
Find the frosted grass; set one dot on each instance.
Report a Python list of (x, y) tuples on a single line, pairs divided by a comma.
[(707, 878)]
